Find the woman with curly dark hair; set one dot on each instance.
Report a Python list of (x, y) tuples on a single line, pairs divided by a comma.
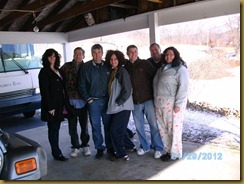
[(120, 104), (170, 87), (53, 101)]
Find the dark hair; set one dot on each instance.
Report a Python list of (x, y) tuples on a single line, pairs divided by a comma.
[(154, 44), (131, 46), (48, 53), (79, 48), (177, 60), (120, 56), (97, 46)]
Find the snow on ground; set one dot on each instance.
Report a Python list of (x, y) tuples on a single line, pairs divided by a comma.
[(207, 128)]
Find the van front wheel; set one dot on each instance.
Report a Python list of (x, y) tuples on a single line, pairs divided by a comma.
[(29, 114)]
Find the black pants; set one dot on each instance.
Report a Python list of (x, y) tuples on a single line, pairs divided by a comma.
[(82, 116), (53, 136), (119, 134)]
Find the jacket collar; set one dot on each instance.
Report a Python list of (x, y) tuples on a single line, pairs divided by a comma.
[(94, 63)]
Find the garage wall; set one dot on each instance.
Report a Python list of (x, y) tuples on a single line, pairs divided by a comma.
[(32, 37)]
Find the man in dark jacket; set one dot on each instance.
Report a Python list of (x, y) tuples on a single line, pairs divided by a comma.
[(93, 87), (79, 106), (156, 58), (141, 74)]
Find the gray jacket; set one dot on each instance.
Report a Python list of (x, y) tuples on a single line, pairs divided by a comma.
[(171, 82), (121, 93)]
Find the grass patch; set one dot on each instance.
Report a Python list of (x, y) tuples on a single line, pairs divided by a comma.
[(216, 67)]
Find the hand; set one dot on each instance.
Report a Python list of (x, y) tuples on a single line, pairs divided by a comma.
[(176, 109), (52, 112)]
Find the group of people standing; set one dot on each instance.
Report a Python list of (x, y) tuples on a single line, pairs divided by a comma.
[(108, 91)]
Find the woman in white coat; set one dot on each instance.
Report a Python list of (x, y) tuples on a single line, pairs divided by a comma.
[(170, 87)]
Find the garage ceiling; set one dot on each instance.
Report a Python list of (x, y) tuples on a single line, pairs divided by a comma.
[(68, 15)]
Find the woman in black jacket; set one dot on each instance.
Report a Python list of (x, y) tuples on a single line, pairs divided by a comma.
[(53, 102)]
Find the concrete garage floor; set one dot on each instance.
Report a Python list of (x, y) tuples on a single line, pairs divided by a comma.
[(224, 165)]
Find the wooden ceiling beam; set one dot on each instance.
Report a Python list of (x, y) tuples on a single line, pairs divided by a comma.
[(120, 5), (3, 3), (156, 1), (143, 5), (35, 6), (55, 11), (77, 10)]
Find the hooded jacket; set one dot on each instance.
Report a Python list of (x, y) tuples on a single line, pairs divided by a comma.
[(121, 93)]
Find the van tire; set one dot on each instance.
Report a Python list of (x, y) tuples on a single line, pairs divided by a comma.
[(29, 114)]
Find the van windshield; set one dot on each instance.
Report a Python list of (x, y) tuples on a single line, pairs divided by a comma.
[(18, 57)]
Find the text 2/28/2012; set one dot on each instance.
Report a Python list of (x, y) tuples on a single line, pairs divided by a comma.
[(202, 156)]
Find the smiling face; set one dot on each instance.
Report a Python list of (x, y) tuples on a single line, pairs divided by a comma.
[(132, 54), (97, 55), (52, 59), (169, 56), (155, 52), (78, 55), (114, 61)]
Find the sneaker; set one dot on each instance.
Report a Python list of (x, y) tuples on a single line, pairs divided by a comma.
[(124, 158), (74, 152), (157, 154), (86, 151), (99, 154), (140, 151)]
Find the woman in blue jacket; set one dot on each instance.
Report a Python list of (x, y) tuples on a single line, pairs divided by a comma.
[(120, 104)]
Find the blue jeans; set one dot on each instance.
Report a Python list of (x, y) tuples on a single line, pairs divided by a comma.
[(97, 112), (147, 109)]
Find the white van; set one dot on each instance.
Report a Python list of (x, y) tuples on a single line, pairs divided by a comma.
[(19, 87)]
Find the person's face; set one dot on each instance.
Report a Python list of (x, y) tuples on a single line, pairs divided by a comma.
[(132, 54), (78, 55), (97, 55), (52, 59), (114, 61), (169, 56), (155, 52)]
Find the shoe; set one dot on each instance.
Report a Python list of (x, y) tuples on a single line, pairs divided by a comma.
[(61, 158), (111, 152), (131, 149), (157, 154), (166, 157), (86, 151), (99, 154), (123, 158), (74, 152), (140, 151)]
